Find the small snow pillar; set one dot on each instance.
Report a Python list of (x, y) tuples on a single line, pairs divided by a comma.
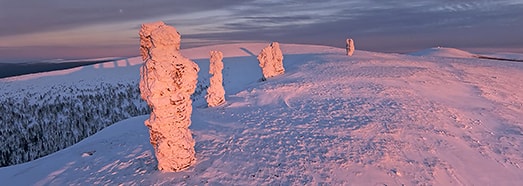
[(271, 60), (215, 93), (350, 47), (167, 80)]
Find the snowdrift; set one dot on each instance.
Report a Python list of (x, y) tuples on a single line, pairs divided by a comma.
[(443, 52), (369, 119)]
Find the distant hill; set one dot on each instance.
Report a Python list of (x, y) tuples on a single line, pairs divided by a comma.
[(457, 53), (16, 69), (444, 52)]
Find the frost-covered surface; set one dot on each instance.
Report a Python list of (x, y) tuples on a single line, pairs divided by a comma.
[(215, 93), (167, 81), (349, 47), (371, 119), (45, 112), (271, 60)]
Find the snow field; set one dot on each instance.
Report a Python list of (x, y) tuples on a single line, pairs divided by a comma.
[(369, 119)]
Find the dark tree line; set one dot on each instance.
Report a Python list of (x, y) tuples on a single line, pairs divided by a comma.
[(39, 124)]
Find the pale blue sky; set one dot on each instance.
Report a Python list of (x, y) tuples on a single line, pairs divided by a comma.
[(100, 28)]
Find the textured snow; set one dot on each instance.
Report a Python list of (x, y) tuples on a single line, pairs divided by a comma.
[(372, 119), (215, 93), (167, 81), (271, 61)]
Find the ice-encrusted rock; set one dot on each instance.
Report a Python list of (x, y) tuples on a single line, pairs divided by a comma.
[(271, 60), (350, 47), (215, 93), (167, 80)]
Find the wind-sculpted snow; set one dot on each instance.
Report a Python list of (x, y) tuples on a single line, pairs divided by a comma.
[(271, 60), (167, 81), (329, 120), (349, 47), (215, 93)]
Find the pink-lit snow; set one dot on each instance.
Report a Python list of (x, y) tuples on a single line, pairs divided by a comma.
[(369, 119)]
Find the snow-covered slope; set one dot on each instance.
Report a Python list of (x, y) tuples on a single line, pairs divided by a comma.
[(369, 119), (444, 52), (45, 112)]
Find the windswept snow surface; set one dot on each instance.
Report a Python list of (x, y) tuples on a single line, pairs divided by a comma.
[(369, 119)]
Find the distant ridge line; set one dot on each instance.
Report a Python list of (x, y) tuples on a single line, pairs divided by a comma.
[(11, 70), (500, 59)]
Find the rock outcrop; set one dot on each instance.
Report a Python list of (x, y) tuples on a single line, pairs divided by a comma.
[(350, 47), (271, 60), (215, 93), (167, 80)]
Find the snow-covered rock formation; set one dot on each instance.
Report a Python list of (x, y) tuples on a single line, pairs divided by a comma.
[(271, 60), (167, 80), (215, 93), (350, 47)]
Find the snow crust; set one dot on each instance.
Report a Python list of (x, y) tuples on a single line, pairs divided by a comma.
[(167, 82), (215, 93), (376, 119), (271, 61)]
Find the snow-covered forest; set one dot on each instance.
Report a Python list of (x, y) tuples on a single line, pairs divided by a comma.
[(46, 112), (39, 123)]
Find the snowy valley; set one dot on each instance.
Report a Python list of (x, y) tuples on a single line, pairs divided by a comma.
[(436, 117)]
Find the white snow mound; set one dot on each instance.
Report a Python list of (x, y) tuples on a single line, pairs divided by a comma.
[(444, 52)]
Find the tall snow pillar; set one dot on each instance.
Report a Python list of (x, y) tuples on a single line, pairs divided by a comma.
[(271, 60), (350, 47), (215, 93), (167, 80)]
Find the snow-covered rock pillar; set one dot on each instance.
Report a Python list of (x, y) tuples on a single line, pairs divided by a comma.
[(167, 80), (350, 47), (215, 93), (271, 60)]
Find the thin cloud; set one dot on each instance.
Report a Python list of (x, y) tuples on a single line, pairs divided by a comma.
[(446, 25), (376, 24), (25, 16)]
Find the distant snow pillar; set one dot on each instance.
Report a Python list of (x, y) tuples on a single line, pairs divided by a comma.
[(215, 93), (350, 47), (167, 80), (271, 60)]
